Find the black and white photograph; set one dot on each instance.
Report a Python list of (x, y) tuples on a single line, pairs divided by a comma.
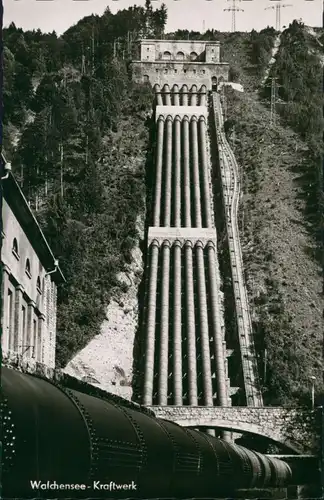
[(162, 249)]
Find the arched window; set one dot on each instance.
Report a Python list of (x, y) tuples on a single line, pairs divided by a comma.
[(180, 56), (27, 268), (146, 78), (193, 56), (214, 83), (167, 55), (15, 248), (38, 285)]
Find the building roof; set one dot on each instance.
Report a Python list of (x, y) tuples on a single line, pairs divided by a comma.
[(206, 42), (19, 205)]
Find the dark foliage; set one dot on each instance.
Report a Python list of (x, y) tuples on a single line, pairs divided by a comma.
[(65, 99)]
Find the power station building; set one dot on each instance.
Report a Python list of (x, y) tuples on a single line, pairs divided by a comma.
[(179, 62), (30, 276)]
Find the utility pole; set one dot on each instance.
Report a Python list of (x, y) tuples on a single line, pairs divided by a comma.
[(234, 9), (278, 8), (274, 86)]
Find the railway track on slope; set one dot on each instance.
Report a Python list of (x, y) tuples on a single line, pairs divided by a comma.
[(231, 192)]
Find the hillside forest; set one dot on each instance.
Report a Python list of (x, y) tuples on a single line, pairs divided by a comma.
[(67, 103)]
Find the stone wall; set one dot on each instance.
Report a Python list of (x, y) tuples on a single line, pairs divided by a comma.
[(187, 50), (180, 73), (295, 428), (49, 331)]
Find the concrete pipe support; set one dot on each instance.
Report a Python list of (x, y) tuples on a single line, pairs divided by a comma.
[(164, 326), (150, 326), (191, 331)]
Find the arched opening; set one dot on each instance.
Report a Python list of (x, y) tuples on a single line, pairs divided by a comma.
[(146, 78), (27, 268), (214, 83), (193, 56), (180, 56), (167, 55)]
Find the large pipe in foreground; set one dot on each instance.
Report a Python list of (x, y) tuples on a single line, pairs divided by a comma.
[(150, 326), (177, 330), (158, 174), (203, 322), (195, 166), (186, 172), (177, 172), (168, 173), (204, 170), (164, 326), (191, 330), (90, 437)]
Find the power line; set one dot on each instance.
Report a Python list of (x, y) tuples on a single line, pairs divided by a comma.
[(278, 8), (234, 9), (274, 99)]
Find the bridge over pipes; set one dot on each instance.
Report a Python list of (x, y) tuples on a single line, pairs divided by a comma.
[(186, 354), (293, 428)]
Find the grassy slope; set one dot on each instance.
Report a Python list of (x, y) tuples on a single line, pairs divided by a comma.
[(283, 276)]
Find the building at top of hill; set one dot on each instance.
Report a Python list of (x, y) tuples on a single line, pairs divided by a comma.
[(179, 62), (30, 276)]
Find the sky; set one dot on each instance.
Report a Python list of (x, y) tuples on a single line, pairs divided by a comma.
[(198, 15)]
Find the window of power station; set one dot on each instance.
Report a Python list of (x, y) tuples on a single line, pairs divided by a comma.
[(15, 248), (27, 268)]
